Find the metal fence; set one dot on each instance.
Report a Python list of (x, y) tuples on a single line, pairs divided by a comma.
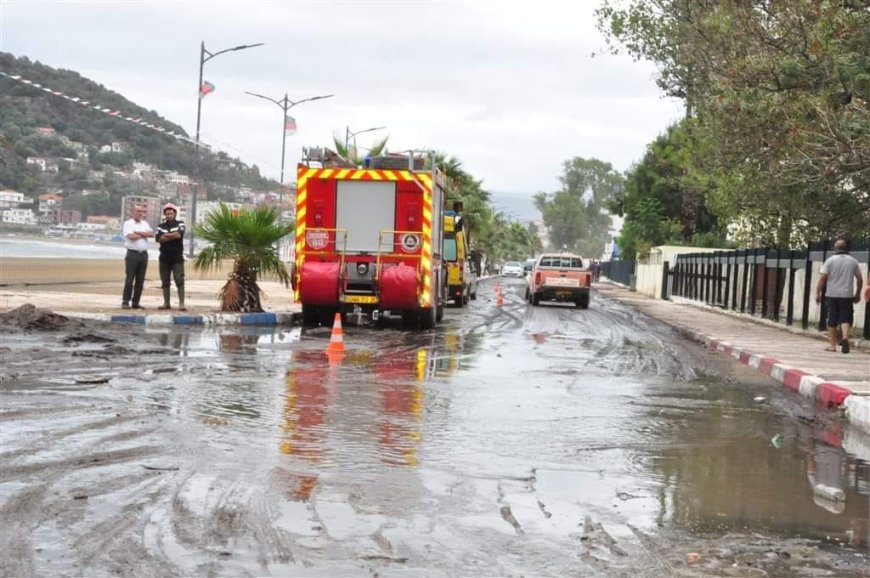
[(618, 271), (772, 284)]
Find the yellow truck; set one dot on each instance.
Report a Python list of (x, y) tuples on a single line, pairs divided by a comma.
[(461, 273)]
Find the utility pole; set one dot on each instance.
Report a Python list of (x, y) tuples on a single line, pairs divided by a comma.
[(204, 56), (286, 104)]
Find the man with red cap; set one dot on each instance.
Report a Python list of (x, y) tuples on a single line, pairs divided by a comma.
[(170, 236)]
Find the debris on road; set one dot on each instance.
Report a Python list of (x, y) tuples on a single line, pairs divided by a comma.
[(28, 317)]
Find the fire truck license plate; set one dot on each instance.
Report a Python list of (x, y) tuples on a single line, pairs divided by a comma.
[(361, 299)]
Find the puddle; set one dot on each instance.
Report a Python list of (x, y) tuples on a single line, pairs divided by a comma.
[(535, 436)]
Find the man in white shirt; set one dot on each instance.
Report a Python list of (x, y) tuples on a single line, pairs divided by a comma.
[(836, 281), (136, 233)]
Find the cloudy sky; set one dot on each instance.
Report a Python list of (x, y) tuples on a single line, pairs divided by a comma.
[(510, 88)]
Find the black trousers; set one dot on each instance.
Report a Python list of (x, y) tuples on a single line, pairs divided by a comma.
[(136, 264), (175, 270)]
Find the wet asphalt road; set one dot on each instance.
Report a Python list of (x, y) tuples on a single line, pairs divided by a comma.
[(512, 440)]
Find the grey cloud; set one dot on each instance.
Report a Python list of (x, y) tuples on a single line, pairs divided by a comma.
[(469, 78)]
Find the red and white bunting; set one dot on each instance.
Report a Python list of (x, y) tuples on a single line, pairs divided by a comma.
[(87, 104)]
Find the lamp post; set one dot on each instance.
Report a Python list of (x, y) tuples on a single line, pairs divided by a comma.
[(352, 135), (204, 56), (285, 104)]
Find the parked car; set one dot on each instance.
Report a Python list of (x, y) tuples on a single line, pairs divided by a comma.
[(512, 269), (560, 277)]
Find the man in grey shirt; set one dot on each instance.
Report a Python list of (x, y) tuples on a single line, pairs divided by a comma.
[(836, 283)]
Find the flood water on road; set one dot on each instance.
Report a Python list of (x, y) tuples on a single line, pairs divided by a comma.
[(512, 440)]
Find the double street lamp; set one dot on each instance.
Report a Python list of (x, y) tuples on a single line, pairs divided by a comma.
[(286, 104), (204, 56), (352, 135)]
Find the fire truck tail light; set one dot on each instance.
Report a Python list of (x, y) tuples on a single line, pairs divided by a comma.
[(412, 215), (318, 215)]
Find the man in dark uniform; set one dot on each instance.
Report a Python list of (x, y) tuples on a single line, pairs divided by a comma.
[(170, 236)]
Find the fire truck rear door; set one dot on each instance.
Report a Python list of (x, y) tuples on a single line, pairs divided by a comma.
[(364, 208)]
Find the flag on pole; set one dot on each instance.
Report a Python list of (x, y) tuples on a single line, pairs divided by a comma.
[(206, 88), (289, 125)]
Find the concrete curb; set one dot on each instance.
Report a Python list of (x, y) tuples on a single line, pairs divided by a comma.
[(208, 320), (828, 394), (858, 412)]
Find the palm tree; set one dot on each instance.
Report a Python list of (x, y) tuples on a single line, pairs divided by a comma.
[(249, 238), (352, 153), (465, 188)]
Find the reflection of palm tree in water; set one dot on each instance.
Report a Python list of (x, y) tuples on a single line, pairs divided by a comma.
[(235, 343)]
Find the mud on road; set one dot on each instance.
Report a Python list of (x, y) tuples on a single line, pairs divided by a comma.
[(511, 441)]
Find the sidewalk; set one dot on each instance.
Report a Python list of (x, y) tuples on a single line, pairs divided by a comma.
[(792, 357)]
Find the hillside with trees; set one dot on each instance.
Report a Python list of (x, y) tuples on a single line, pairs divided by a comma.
[(25, 109)]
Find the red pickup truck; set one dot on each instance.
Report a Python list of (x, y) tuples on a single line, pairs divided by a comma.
[(560, 277)]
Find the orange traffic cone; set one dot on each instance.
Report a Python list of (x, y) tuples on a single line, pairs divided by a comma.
[(499, 299), (336, 340)]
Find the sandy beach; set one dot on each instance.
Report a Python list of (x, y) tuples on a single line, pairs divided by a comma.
[(95, 285)]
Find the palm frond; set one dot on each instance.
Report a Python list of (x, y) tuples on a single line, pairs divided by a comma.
[(248, 238), (379, 147)]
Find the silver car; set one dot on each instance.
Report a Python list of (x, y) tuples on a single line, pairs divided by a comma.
[(512, 269)]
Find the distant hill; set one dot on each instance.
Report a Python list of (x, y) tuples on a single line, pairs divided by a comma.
[(518, 206), (37, 123)]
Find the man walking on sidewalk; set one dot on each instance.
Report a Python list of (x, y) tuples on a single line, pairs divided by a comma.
[(836, 276), (136, 232), (170, 236)]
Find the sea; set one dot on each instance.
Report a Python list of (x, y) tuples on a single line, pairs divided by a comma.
[(48, 248), (53, 248)]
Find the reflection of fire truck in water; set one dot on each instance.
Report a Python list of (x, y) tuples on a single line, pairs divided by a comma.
[(369, 240), (305, 403)]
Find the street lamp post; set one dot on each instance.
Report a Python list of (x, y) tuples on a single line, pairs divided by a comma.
[(285, 104), (204, 56), (352, 135)]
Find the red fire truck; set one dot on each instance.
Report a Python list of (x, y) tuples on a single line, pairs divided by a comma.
[(368, 241)]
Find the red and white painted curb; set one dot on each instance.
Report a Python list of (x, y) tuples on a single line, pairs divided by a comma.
[(828, 394)]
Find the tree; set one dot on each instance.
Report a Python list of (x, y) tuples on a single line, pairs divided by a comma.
[(535, 245), (576, 216), (778, 96), (501, 239), (653, 199), (248, 238), (463, 187), (24, 108)]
